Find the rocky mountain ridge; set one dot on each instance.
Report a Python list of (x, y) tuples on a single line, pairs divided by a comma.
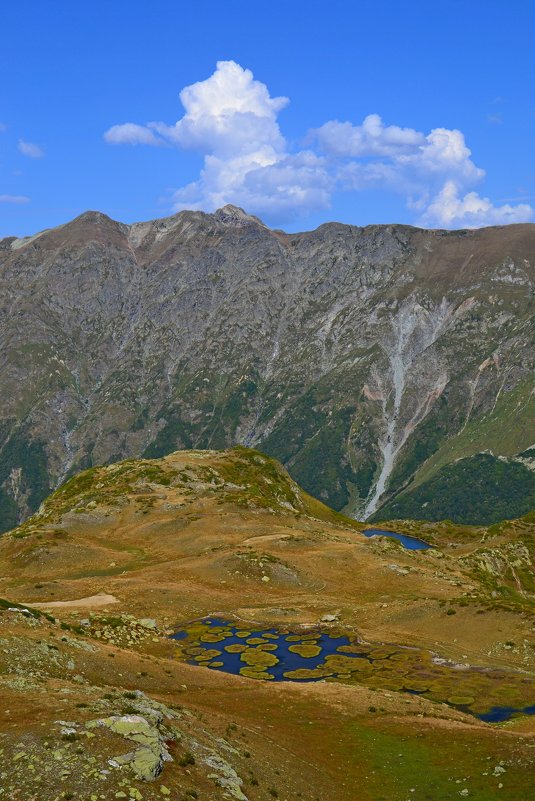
[(365, 359)]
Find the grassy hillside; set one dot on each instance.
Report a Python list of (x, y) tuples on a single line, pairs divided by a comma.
[(122, 556)]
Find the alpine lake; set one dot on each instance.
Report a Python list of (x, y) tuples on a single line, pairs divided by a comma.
[(331, 654), (410, 543)]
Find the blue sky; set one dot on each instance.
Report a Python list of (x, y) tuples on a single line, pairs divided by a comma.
[(301, 112)]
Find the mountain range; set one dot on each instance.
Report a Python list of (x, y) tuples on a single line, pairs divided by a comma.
[(389, 368)]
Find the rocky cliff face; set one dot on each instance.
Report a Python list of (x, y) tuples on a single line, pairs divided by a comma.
[(365, 359)]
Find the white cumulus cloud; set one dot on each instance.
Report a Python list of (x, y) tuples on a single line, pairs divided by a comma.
[(30, 149), (411, 163), (281, 190), (432, 171), (232, 120), (451, 210), (229, 114), (444, 152), (372, 138)]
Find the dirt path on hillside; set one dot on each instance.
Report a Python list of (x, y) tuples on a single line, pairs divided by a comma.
[(93, 601)]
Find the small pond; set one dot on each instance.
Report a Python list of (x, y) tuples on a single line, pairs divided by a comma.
[(267, 654), (411, 543), (500, 713), (280, 654)]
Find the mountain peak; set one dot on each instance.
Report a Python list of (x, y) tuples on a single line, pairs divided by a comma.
[(93, 216), (234, 215)]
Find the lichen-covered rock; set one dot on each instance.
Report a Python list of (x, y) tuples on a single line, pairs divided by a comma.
[(148, 623), (147, 761), (225, 776)]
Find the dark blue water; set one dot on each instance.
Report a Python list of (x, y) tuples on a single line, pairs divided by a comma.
[(498, 714), (287, 659), (411, 543)]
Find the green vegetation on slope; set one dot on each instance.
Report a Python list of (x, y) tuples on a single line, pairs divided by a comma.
[(23, 474), (402, 761), (240, 476), (311, 439), (504, 430), (97, 485), (479, 490)]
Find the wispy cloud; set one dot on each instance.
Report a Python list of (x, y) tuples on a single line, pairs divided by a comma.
[(14, 199), (131, 134), (30, 149), (232, 120), (514, 198)]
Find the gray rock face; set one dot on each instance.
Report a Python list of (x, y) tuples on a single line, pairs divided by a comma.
[(363, 358)]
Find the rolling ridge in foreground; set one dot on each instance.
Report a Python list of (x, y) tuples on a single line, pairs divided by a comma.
[(122, 556)]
